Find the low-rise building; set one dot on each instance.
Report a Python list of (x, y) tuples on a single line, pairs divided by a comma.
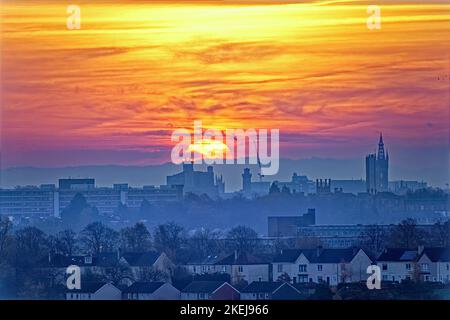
[(331, 266), (151, 291), (209, 290), (94, 291)]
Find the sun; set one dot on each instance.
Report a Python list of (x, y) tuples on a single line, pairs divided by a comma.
[(209, 148)]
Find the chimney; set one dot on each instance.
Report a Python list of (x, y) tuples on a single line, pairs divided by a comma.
[(319, 250), (420, 249)]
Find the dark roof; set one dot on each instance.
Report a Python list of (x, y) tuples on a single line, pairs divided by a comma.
[(203, 286), (209, 260), (318, 255), (62, 261), (143, 287), (88, 287), (262, 287), (141, 259), (398, 254), (242, 259), (437, 254), (289, 255), (287, 292)]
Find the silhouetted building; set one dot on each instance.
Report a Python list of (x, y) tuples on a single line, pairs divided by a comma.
[(197, 182), (298, 184), (323, 186), (377, 170), (76, 184), (349, 186), (287, 226)]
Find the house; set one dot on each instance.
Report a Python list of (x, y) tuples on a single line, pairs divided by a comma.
[(331, 266), (268, 290), (209, 290), (141, 263), (398, 264), (434, 264), (97, 264), (151, 291), (203, 266), (94, 291), (245, 267)]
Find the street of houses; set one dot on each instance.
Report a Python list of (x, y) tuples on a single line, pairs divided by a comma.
[(292, 274)]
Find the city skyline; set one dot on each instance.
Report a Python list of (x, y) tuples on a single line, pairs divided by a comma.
[(155, 67)]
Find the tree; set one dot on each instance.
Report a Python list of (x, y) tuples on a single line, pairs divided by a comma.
[(136, 238), (6, 237), (169, 238), (442, 234), (204, 243), (153, 275), (244, 239), (406, 234), (373, 237), (31, 247), (98, 238), (66, 242)]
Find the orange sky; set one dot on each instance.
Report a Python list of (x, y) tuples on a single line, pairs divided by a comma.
[(135, 72)]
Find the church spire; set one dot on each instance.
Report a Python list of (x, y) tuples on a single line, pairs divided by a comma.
[(381, 147)]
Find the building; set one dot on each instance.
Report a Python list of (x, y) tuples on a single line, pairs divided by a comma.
[(48, 201), (209, 290), (197, 182), (269, 290), (323, 186), (142, 263), (151, 291), (397, 264), (349, 186), (240, 267), (404, 186), (94, 291), (377, 170), (298, 184), (434, 264), (330, 266), (245, 267), (288, 225)]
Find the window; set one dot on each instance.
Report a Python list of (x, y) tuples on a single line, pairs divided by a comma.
[(302, 268), (448, 266), (280, 268), (319, 279), (201, 296), (240, 269), (408, 266), (319, 267), (424, 266), (224, 269), (195, 269), (384, 266)]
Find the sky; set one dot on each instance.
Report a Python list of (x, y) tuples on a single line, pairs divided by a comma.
[(114, 91)]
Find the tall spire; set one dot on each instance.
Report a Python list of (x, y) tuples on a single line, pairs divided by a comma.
[(381, 147)]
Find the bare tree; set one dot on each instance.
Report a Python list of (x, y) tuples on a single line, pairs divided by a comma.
[(244, 239), (6, 236), (98, 238), (406, 234), (373, 237), (136, 238), (169, 238), (66, 242)]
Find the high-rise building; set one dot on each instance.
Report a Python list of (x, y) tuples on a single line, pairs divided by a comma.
[(377, 169)]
